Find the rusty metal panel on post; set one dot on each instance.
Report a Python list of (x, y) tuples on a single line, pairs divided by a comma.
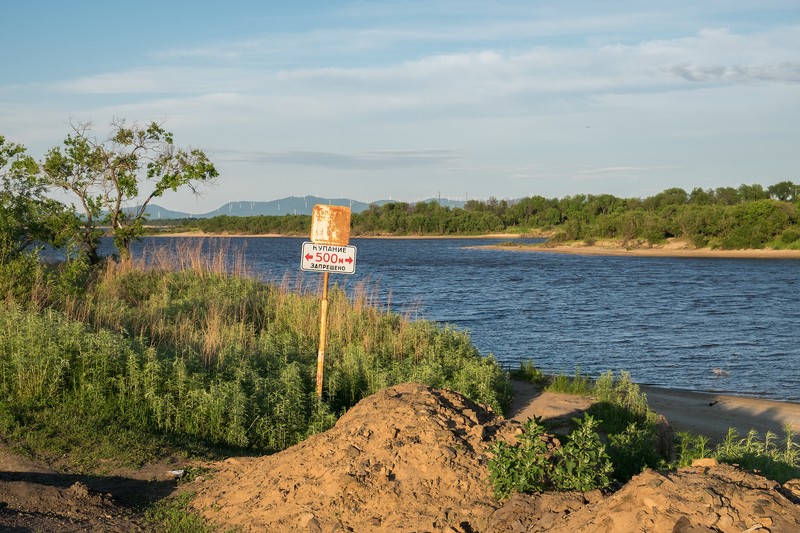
[(330, 224)]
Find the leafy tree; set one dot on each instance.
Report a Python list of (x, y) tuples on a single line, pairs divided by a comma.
[(573, 208), (726, 217), (605, 204), (530, 210), (785, 191), (700, 197), (134, 163), (726, 196), (668, 197), (752, 224), (750, 193), (27, 216)]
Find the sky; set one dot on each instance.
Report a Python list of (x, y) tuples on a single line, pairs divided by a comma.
[(409, 100)]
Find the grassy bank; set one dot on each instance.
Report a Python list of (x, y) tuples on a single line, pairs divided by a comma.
[(187, 353)]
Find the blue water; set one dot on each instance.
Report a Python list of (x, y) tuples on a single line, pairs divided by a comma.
[(668, 321)]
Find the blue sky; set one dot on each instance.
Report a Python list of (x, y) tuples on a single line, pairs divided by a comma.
[(412, 99)]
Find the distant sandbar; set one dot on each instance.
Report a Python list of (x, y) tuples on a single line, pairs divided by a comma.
[(673, 248)]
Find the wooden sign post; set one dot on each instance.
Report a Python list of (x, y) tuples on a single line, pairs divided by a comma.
[(330, 234), (323, 333)]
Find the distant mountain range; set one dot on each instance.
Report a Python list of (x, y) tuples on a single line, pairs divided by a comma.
[(292, 205)]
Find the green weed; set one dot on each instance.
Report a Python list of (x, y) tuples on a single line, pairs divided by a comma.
[(527, 371), (174, 515), (524, 467), (772, 458), (583, 463), (532, 465)]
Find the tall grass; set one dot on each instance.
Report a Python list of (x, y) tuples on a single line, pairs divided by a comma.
[(188, 346), (774, 458)]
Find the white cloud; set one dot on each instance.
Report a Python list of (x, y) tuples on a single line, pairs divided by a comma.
[(480, 80), (788, 72)]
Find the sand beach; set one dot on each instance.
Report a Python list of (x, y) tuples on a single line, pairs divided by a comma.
[(701, 413)]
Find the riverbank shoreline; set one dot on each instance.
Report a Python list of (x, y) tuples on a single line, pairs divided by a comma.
[(674, 248), (702, 413), (677, 249), (712, 414), (200, 234)]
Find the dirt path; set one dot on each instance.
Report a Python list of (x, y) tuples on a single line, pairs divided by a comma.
[(35, 497)]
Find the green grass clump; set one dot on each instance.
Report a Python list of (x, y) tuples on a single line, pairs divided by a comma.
[(174, 515), (527, 371), (775, 459), (577, 384)]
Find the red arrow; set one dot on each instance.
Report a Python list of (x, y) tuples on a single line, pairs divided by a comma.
[(309, 257), (349, 259)]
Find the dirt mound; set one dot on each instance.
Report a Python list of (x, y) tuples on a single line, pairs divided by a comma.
[(408, 458), (718, 498), (413, 458)]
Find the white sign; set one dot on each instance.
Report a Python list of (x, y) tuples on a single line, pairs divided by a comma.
[(328, 258)]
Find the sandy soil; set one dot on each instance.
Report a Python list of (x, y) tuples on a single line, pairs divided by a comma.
[(673, 248)]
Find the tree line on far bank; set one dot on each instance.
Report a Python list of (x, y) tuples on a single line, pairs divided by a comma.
[(750, 216), (137, 163)]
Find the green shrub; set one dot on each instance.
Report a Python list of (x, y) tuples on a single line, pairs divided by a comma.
[(623, 392), (632, 450), (527, 371), (533, 466), (789, 236), (583, 463), (18, 277), (524, 467)]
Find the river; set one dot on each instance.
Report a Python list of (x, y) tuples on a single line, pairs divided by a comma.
[(668, 321)]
